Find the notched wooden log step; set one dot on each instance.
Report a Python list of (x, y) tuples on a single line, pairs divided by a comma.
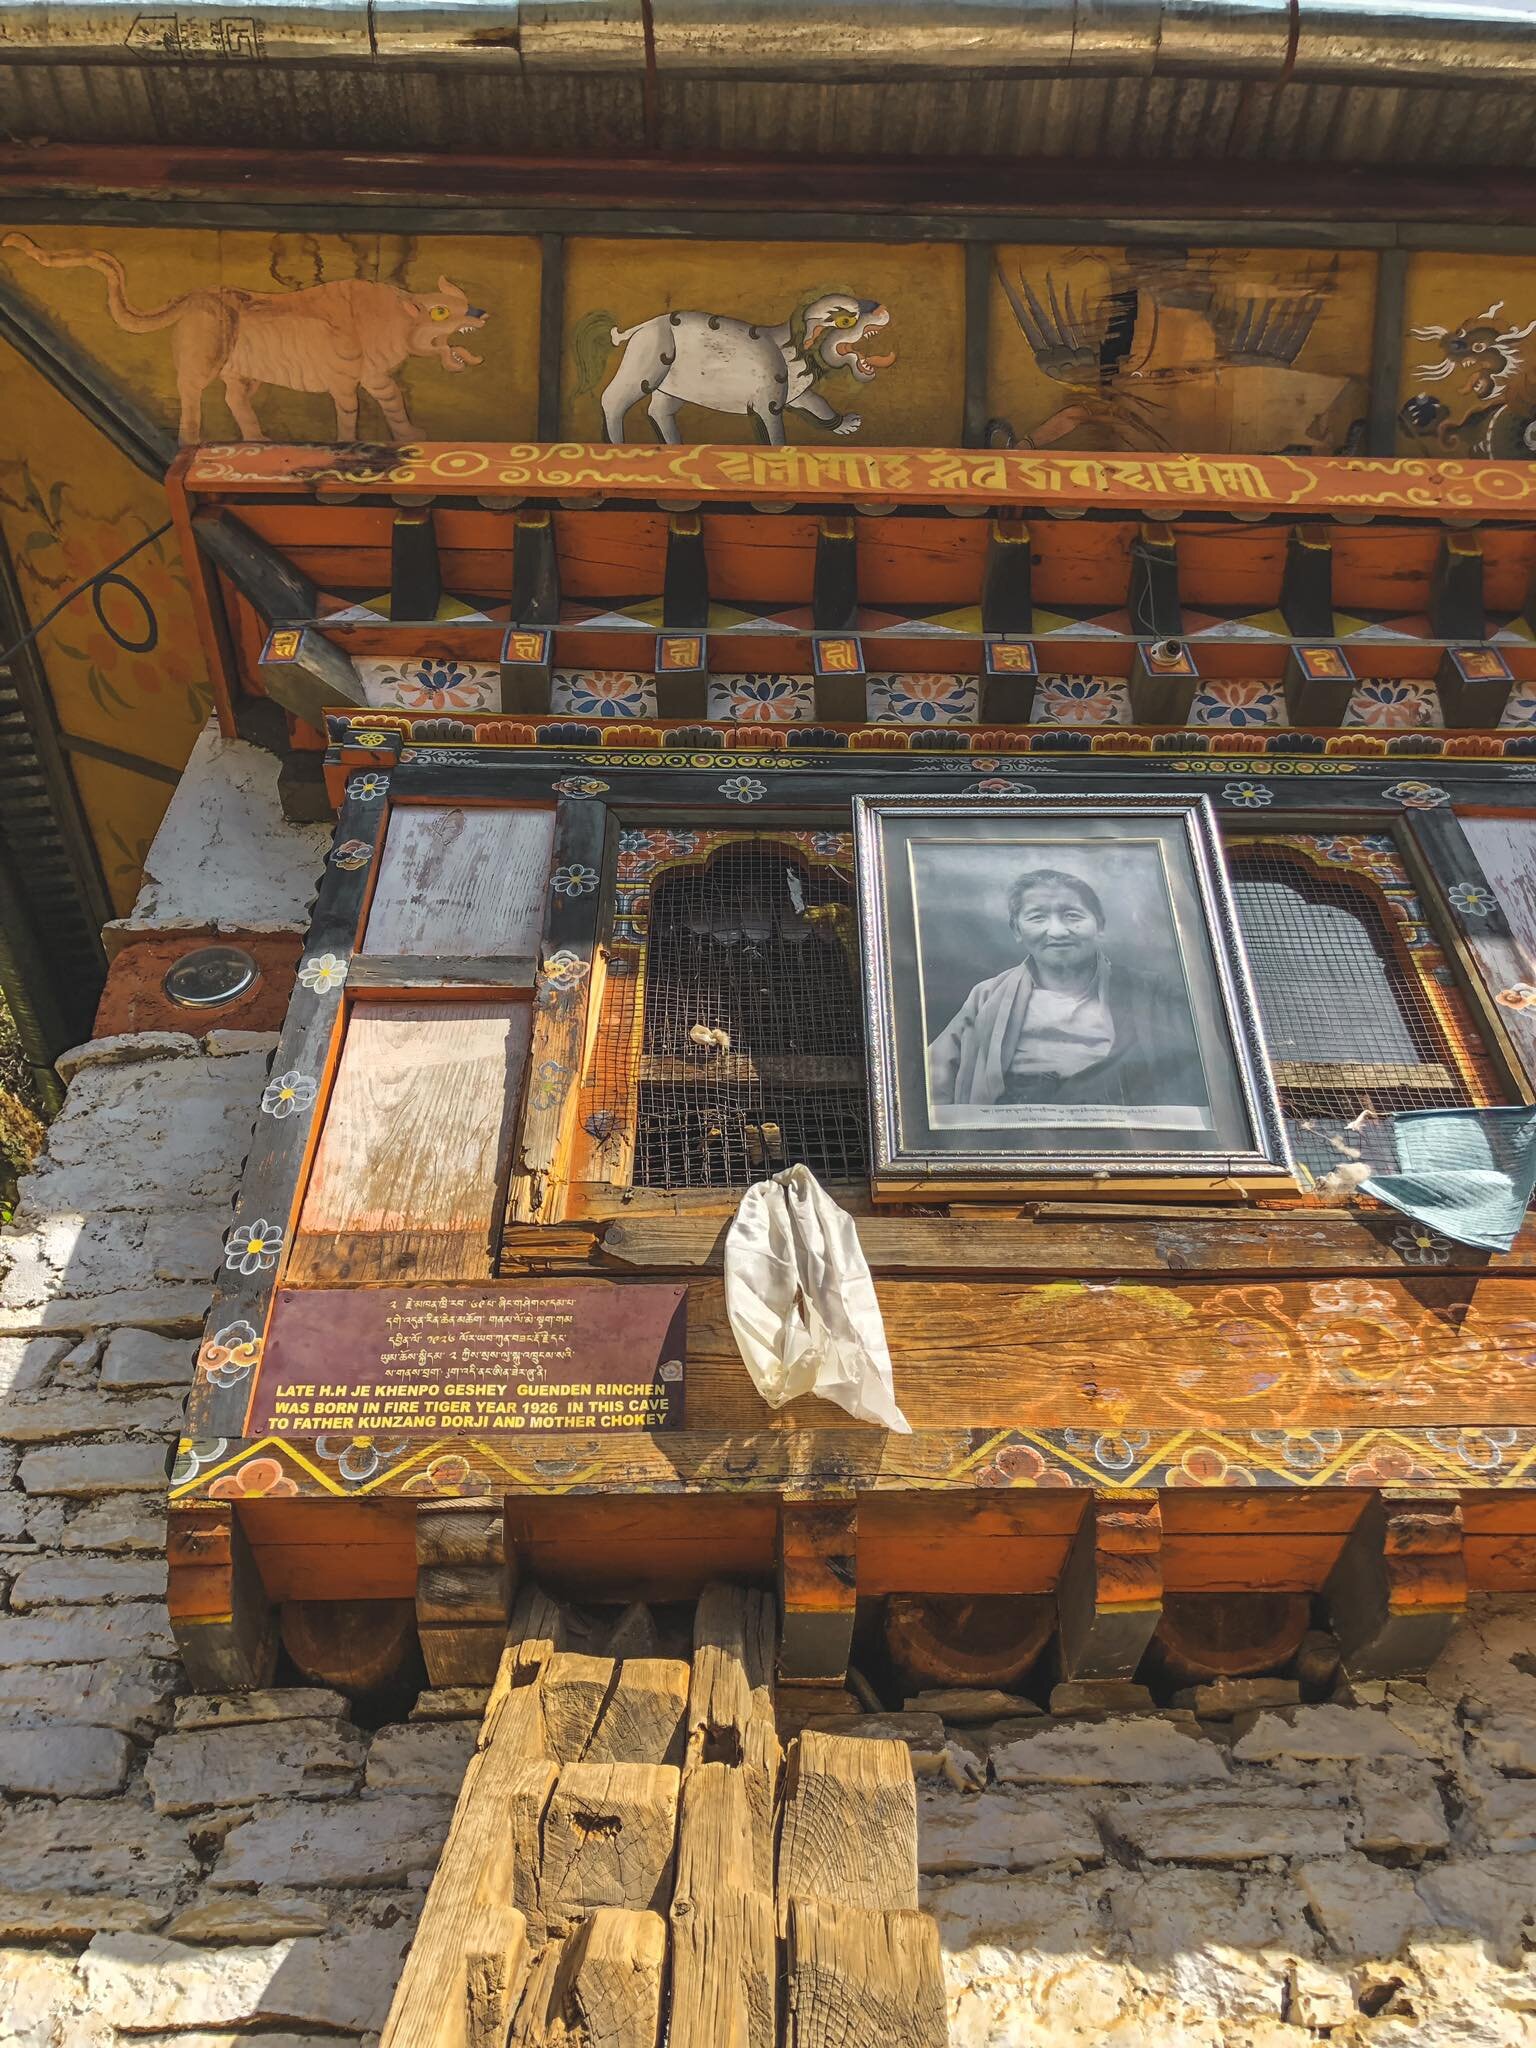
[(860, 1976), (723, 1956), (849, 1827), (609, 1838)]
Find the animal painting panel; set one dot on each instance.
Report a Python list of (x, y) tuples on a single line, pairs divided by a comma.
[(343, 338)]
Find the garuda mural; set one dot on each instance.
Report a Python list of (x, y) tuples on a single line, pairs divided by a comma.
[(735, 366), (343, 337), (1170, 353), (1489, 403)]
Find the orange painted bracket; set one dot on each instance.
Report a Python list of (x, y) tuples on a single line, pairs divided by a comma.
[(1110, 1598)]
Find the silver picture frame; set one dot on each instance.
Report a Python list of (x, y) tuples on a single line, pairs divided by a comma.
[(976, 1103)]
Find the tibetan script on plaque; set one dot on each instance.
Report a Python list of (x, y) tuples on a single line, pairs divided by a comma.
[(587, 1355)]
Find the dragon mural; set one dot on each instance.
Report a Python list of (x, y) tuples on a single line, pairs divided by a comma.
[(1489, 406), (1165, 353)]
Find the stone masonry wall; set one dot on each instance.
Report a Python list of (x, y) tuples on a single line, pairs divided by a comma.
[(180, 1872)]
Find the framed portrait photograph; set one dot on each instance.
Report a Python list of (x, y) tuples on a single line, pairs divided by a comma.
[(1055, 990)]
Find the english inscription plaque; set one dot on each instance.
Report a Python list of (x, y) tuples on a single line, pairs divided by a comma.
[(474, 1361)]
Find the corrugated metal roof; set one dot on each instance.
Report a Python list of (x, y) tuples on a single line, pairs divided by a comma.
[(464, 111)]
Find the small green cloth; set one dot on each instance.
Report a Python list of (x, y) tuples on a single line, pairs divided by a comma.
[(1467, 1173)]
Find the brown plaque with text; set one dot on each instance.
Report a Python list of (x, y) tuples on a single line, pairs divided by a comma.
[(587, 1354)]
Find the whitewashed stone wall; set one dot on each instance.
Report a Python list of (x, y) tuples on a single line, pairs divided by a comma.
[(184, 1873)]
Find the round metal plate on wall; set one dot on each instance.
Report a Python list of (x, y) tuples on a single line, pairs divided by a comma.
[(210, 977)]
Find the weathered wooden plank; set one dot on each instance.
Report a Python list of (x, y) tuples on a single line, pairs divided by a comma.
[(463, 1590), (1307, 1241), (474, 1870), (730, 1716), (849, 1830), (863, 1976), (414, 1140), (465, 879), (723, 1965), (495, 1964)]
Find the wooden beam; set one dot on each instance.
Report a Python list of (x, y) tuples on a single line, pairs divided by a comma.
[(224, 1625), (1007, 607), (1306, 586), (1456, 609), (855, 1975), (307, 673), (818, 1581), (476, 1868), (940, 1640), (835, 610), (1474, 685), (1163, 674), (1110, 1598), (355, 1646), (1319, 683), (1207, 1636), (415, 571), (463, 1589), (1400, 1585), (258, 570), (529, 645), (685, 586), (724, 1988)]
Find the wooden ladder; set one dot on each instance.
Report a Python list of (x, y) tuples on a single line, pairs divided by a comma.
[(634, 1862)]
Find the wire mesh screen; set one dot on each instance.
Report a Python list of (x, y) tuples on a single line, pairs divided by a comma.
[(752, 1051), (1360, 1010)]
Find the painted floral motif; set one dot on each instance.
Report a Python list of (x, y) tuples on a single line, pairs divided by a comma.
[(925, 700), (1522, 996), (741, 789), (565, 969), (228, 1356), (357, 1458), (446, 686), (1081, 700), (193, 1453), (1481, 1449), (253, 1247), (1472, 899), (1204, 1465), (450, 1474), (1382, 702), (368, 787), (998, 785), (1022, 1465), (574, 879), (288, 1094), (351, 854), (323, 972), (1416, 1246), (1304, 1450), (256, 1479), (832, 845), (1521, 708), (761, 700), (550, 1084), (1247, 796), (1417, 796), (602, 693), (1387, 1463), (1113, 1450), (1238, 704), (578, 785), (366, 736)]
